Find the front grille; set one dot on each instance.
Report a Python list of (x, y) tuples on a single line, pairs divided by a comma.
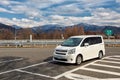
[(61, 50), (60, 59), (60, 53)]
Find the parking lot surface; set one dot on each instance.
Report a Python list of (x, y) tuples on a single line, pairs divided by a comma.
[(37, 64)]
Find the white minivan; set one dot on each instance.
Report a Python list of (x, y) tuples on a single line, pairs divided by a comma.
[(80, 48)]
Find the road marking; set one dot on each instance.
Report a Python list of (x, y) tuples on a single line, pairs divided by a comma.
[(35, 65), (112, 58), (116, 55), (103, 65), (102, 71), (81, 67), (111, 79), (7, 71), (24, 67), (11, 60), (110, 61), (79, 77), (23, 71), (83, 77), (70, 71)]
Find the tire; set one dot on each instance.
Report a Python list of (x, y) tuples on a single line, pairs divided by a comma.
[(78, 60), (100, 55)]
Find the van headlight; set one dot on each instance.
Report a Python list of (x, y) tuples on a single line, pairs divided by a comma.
[(71, 51)]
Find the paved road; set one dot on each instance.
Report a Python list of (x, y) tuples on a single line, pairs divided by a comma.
[(36, 64)]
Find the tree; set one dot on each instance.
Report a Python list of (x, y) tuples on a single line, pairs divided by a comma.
[(6, 34), (24, 33)]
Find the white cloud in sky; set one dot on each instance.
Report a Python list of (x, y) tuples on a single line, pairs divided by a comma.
[(93, 3), (9, 2), (118, 1), (5, 10), (4, 2), (66, 9), (20, 22), (100, 16), (65, 14)]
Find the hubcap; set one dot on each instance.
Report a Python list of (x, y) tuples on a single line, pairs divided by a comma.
[(100, 55), (79, 60)]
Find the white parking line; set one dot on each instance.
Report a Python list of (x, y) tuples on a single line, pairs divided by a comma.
[(102, 71), (7, 71), (11, 60), (81, 67), (116, 55), (69, 73), (35, 65), (112, 58), (111, 61), (79, 77), (73, 70), (103, 65), (33, 73), (24, 67)]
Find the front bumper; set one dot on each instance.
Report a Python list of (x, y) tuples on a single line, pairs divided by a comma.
[(64, 58)]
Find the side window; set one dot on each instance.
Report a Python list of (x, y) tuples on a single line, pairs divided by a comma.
[(92, 40), (97, 40), (87, 40)]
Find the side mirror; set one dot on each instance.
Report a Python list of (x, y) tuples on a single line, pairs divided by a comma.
[(86, 44)]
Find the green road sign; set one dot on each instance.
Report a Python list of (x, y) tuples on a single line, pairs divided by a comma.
[(109, 32)]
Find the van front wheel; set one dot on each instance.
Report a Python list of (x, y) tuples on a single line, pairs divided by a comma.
[(78, 60)]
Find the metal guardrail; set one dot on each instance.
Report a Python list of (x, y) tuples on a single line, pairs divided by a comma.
[(45, 42), (113, 41)]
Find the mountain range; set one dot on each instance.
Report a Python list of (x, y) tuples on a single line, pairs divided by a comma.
[(51, 28), (87, 27)]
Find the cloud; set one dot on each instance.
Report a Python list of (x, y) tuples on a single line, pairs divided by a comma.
[(70, 9), (42, 3), (9, 2), (20, 22), (28, 13), (5, 10), (25, 22), (100, 16), (118, 1), (5, 2)]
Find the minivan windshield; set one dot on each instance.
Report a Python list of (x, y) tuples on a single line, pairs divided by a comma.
[(72, 42)]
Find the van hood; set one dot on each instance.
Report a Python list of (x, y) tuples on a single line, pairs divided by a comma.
[(63, 48)]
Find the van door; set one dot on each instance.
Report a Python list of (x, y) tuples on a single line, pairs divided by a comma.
[(87, 49)]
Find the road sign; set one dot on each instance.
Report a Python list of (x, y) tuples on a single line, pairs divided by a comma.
[(109, 32)]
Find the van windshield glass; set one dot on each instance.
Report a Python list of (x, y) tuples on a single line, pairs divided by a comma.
[(71, 42)]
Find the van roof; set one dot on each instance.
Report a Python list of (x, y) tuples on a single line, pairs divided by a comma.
[(85, 36)]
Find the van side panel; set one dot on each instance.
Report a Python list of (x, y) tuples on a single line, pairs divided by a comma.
[(91, 51)]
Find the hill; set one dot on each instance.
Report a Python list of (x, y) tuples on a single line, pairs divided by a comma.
[(87, 27)]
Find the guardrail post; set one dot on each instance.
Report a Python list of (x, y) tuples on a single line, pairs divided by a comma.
[(8, 45), (46, 43)]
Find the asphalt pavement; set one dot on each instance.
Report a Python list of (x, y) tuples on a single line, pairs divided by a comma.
[(37, 64)]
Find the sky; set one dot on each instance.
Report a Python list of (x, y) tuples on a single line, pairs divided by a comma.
[(30, 13)]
